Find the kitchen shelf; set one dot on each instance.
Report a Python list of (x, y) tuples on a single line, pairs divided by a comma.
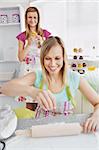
[(9, 24)]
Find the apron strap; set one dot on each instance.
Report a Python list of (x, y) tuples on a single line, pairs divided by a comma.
[(69, 95), (41, 85), (68, 92)]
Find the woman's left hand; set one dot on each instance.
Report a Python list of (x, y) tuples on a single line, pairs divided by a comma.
[(92, 123), (39, 39)]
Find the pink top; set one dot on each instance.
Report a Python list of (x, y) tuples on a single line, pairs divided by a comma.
[(22, 35)]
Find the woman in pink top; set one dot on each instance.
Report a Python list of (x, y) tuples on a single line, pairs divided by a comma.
[(30, 41)]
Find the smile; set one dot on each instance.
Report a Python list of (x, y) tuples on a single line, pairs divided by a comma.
[(53, 69)]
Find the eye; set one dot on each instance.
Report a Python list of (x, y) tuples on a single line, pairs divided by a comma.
[(57, 58), (34, 17), (29, 17), (47, 58)]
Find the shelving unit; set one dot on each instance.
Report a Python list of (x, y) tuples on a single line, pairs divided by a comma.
[(11, 68), (11, 24)]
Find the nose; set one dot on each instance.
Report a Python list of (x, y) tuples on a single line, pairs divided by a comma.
[(53, 62)]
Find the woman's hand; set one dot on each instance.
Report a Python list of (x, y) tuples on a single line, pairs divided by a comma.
[(92, 123), (39, 40), (30, 40), (46, 100)]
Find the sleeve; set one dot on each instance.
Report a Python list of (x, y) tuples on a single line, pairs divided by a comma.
[(74, 81), (21, 37), (46, 33), (38, 78)]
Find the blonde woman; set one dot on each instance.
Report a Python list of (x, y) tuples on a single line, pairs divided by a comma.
[(29, 41), (55, 86)]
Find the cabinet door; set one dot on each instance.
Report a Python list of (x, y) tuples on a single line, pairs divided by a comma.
[(10, 26)]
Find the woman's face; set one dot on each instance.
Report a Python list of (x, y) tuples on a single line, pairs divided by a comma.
[(53, 61), (32, 19)]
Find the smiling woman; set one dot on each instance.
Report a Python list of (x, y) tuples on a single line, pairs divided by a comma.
[(55, 86), (30, 41)]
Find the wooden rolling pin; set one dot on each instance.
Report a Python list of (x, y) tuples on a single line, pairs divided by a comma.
[(49, 130)]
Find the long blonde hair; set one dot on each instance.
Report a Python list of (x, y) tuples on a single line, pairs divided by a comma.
[(46, 46), (38, 29)]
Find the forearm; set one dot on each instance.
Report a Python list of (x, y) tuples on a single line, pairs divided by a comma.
[(22, 54), (11, 89)]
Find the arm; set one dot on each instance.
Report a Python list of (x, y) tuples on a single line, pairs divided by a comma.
[(93, 122), (24, 87), (22, 52), (20, 86)]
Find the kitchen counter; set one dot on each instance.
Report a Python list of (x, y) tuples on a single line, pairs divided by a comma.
[(75, 142)]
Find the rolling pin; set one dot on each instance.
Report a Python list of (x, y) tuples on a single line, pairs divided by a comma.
[(50, 130)]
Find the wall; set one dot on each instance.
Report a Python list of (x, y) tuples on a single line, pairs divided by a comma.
[(76, 22), (83, 26), (53, 16)]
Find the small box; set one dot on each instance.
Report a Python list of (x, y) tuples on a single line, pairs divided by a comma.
[(15, 18), (4, 19)]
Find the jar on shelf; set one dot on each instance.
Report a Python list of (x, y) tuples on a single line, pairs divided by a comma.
[(15, 18), (4, 18)]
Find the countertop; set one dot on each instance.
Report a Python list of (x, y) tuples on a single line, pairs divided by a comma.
[(75, 142)]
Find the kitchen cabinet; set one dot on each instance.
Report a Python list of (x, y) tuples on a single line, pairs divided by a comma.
[(11, 24), (9, 70)]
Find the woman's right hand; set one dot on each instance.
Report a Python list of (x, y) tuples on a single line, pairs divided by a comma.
[(46, 100), (30, 40)]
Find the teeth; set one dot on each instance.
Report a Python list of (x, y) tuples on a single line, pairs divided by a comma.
[(53, 69)]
